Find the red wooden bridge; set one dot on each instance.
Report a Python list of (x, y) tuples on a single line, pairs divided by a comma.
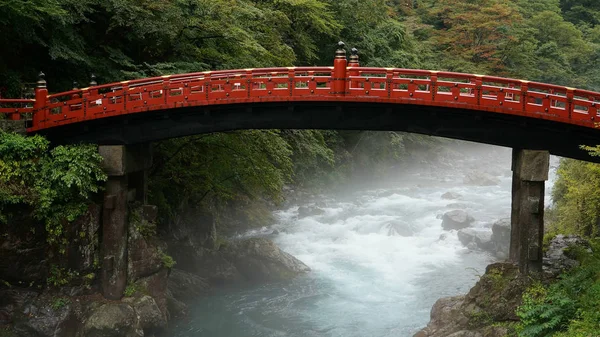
[(487, 109)]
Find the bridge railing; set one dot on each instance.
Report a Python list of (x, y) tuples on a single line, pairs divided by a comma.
[(359, 84), (16, 109)]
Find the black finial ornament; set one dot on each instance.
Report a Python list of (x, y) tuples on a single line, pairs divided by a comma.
[(93, 80), (41, 83), (340, 52), (354, 56), (75, 85)]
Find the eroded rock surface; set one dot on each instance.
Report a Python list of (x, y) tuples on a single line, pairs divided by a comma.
[(457, 219)]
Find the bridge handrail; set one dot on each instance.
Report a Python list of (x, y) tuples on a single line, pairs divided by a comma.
[(396, 85)]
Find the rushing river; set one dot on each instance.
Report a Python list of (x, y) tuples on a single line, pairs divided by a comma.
[(364, 281)]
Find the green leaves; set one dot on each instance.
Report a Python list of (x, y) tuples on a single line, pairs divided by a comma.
[(56, 184), (568, 307)]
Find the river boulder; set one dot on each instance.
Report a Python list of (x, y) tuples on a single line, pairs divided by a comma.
[(480, 178), (451, 195), (112, 320), (260, 260), (501, 237), (481, 237), (457, 219)]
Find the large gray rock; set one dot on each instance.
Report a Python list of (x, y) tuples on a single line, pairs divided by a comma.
[(457, 219), (260, 260), (559, 257), (481, 179), (112, 320), (451, 195), (501, 237), (184, 285), (151, 319), (41, 318), (481, 237)]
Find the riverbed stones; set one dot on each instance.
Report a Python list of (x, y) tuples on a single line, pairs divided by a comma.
[(451, 195), (457, 219), (260, 260), (482, 238), (151, 319), (501, 237), (112, 320), (480, 178)]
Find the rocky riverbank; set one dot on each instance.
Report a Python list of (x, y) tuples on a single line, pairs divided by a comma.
[(60, 296), (489, 308)]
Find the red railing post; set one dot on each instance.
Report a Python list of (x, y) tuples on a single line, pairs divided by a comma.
[(41, 101), (353, 67), (339, 71)]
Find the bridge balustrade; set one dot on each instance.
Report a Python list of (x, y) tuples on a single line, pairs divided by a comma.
[(362, 84)]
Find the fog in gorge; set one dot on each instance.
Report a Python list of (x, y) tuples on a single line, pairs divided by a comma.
[(378, 253)]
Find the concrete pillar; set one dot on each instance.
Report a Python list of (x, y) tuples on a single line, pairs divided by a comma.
[(126, 168), (530, 171)]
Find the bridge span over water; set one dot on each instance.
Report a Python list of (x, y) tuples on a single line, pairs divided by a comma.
[(533, 118)]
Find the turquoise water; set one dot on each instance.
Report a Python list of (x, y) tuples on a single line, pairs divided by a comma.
[(364, 282)]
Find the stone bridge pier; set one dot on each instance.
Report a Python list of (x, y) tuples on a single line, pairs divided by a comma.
[(126, 167), (530, 172)]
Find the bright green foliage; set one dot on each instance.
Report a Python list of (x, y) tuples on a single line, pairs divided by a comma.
[(568, 307), (576, 196), (56, 183)]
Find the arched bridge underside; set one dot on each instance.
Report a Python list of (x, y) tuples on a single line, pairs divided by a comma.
[(485, 109)]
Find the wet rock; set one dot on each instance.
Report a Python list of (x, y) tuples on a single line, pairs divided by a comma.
[(482, 238), (112, 320), (306, 211), (151, 319), (43, 317), (456, 219), (155, 285), (184, 285), (559, 256), (177, 308), (143, 256), (501, 237), (485, 310), (451, 195), (481, 179), (260, 260), (274, 232)]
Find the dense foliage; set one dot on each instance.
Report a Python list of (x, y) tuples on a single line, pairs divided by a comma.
[(56, 184), (568, 307)]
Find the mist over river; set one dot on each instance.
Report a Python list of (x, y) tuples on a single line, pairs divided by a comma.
[(368, 278)]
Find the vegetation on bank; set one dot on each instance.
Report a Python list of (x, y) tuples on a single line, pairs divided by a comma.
[(54, 185), (555, 41)]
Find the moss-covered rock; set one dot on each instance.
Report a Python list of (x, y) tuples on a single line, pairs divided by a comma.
[(488, 310)]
